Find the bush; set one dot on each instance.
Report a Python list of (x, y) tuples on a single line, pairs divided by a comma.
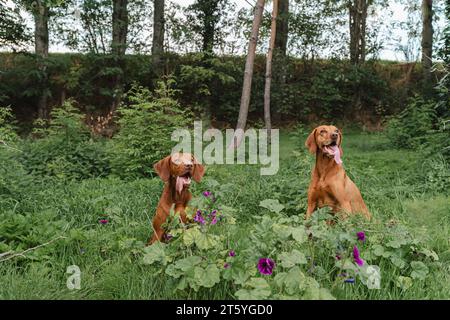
[(146, 124), (7, 129), (410, 128), (66, 150)]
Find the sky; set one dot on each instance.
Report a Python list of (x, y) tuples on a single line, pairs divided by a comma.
[(388, 52)]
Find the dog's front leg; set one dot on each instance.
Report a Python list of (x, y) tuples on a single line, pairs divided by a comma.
[(181, 210), (312, 203)]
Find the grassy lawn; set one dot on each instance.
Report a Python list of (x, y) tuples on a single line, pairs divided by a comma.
[(395, 184)]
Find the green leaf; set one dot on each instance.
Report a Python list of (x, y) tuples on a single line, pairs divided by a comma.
[(313, 293), (299, 234), (190, 236), (430, 254), (404, 283), (292, 281), (209, 277), (420, 270), (290, 259), (271, 204), (206, 241), (397, 261), (380, 251), (260, 290), (156, 253), (397, 243), (188, 263)]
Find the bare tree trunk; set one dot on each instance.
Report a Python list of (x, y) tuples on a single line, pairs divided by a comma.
[(41, 13), (158, 36), (427, 39), (119, 46), (282, 27), (358, 24), (248, 73), (280, 71), (273, 32)]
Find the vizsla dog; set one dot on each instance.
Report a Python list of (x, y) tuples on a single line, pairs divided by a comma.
[(176, 171), (330, 186)]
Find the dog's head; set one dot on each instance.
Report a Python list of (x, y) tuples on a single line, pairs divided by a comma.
[(325, 139), (182, 167)]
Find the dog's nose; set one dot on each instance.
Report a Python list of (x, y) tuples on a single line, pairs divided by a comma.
[(334, 136), (188, 165)]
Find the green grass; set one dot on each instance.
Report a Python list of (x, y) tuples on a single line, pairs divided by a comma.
[(393, 182)]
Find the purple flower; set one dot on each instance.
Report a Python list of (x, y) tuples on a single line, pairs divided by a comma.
[(199, 218), (226, 265), (349, 280), (356, 257), (168, 236), (361, 236), (214, 221), (213, 213), (265, 266), (232, 253), (103, 221), (338, 257), (206, 193)]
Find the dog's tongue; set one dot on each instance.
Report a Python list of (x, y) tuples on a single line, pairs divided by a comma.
[(334, 151), (181, 182)]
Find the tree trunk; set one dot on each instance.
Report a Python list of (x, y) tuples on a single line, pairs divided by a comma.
[(427, 39), (119, 27), (282, 27), (158, 36), (248, 73), (119, 46), (273, 33), (40, 14), (280, 71), (357, 25)]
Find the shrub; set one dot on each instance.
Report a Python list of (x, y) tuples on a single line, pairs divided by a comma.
[(7, 129), (66, 150), (410, 128), (146, 124)]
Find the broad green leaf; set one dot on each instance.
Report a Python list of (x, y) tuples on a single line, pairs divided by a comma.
[(272, 205), (420, 270), (299, 234), (209, 277), (188, 263), (398, 262), (190, 236), (206, 241), (313, 293), (380, 251), (293, 281), (156, 253), (260, 290), (290, 259), (397, 243), (430, 254), (283, 232), (404, 283)]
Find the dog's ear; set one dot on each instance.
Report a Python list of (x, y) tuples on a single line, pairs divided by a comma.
[(199, 170), (311, 143), (340, 143), (162, 168)]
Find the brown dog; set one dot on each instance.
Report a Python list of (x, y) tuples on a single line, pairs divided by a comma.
[(330, 186), (176, 171)]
